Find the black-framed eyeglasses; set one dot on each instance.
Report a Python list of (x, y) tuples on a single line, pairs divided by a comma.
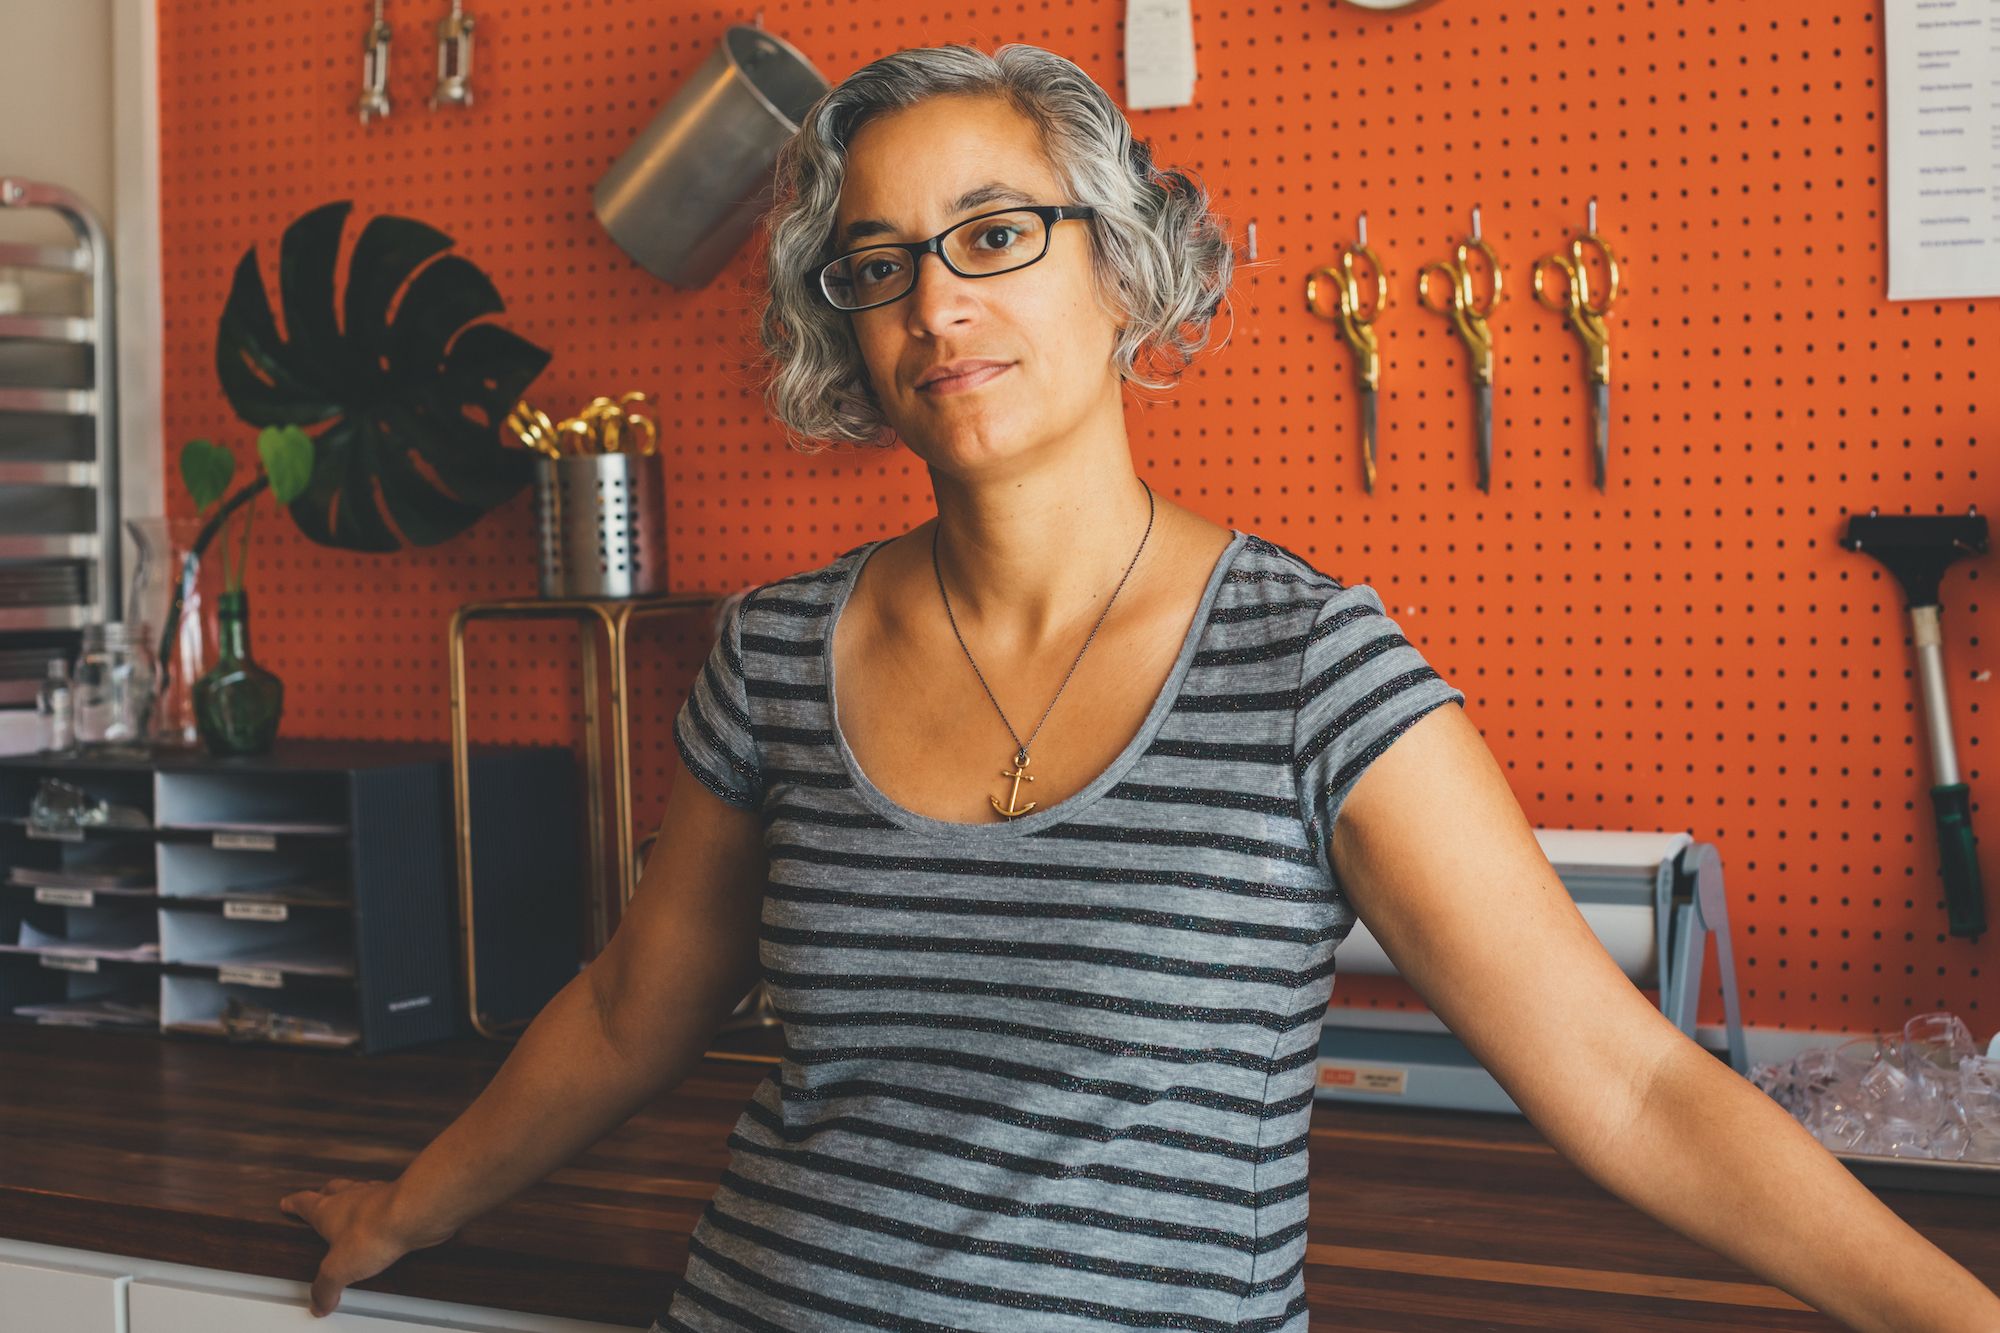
[(879, 274)]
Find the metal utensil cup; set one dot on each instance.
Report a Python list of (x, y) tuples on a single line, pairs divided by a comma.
[(600, 521), (686, 194)]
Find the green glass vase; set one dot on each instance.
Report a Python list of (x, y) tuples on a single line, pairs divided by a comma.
[(236, 702)]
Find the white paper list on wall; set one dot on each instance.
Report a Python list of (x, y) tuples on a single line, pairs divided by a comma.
[(1943, 61), (1159, 53)]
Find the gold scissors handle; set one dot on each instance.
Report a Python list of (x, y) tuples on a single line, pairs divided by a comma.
[(1467, 312), (1356, 318), (534, 428), (1586, 313), (602, 427)]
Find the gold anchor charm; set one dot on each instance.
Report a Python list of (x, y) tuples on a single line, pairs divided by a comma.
[(1019, 771)]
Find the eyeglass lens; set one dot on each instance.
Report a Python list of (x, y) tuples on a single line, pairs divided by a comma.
[(978, 248)]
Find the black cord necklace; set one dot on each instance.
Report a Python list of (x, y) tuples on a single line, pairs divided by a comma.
[(1013, 808)]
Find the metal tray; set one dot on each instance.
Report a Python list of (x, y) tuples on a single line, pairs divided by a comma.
[(1923, 1173)]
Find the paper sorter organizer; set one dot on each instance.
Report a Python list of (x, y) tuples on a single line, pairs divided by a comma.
[(1652, 899)]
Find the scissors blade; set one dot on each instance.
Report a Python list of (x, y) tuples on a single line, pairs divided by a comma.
[(1600, 429), (1483, 399), (1368, 437)]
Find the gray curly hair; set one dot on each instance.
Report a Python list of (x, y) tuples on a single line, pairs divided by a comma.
[(1164, 258)]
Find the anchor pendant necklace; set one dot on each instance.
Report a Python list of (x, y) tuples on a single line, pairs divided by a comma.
[(1013, 809)]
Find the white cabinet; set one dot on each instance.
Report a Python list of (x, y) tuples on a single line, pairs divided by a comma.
[(36, 1296), (163, 1307), (51, 1289)]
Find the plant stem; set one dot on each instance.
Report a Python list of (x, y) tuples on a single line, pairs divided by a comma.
[(243, 555), (192, 564)]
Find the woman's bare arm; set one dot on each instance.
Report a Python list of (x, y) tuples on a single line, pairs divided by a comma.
[(624, 1030), (1441, 863)]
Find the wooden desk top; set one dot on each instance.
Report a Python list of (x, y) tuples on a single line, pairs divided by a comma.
[(178, 1149)]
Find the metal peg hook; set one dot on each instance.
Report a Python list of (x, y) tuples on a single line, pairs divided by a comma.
[(1361, 229), (1475, 222), (1250, 241), (1592, 225)]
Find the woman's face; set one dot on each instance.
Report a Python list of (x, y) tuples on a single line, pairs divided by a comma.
[(919, 170)]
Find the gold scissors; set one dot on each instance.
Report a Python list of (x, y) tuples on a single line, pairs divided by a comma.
[(600, 428), (534, 428), (1469, 312), (604, 421), (1586, 316), (1356, 321)]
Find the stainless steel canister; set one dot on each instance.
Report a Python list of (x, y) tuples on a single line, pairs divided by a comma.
[(601, 524), (686, 195)]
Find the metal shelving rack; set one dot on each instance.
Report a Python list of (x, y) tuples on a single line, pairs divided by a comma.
[(59, 510)]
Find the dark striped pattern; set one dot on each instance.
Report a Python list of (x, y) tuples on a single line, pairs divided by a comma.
[(1052, 1073)]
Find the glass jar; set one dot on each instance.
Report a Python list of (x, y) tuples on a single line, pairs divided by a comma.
[(168, 614), (113, 690), (53, 705)]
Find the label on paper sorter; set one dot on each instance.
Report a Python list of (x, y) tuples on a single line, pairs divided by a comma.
[(269, 977), (1363, 1078), (238, 909), (245, 842), (61, 897), (68, 962)]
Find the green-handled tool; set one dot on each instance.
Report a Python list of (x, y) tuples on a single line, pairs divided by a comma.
[(1917, 548)]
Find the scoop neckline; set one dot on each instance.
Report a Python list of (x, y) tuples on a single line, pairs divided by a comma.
[(878, 800)]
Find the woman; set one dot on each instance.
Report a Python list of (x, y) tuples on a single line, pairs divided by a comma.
[(1052, 998)]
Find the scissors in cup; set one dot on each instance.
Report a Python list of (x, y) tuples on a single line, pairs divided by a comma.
[(605, 423), (1468, 311), (535, 429), (1586, 312), (604, 427), (1356, 325)]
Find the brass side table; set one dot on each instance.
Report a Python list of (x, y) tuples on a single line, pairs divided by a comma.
[(608, 794)]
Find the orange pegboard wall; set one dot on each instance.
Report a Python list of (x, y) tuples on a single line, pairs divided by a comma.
[(1690, 650)]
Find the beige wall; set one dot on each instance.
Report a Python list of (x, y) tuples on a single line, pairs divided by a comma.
[(78, 108), (55, 106)]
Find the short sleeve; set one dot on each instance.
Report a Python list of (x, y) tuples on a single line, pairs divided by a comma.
[(713, 730), (1361, 685)]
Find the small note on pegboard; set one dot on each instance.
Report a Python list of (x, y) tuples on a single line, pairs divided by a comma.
[(1944, 148), (1159, 53)]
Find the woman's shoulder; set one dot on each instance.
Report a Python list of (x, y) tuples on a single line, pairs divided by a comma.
[(1294, 598), (808, 585), (783, 615), (1265, 567)]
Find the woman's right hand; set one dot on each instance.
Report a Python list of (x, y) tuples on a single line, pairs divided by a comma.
[(362, 1230)]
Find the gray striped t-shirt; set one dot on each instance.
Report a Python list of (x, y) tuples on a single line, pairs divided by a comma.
[(1055, 1072)]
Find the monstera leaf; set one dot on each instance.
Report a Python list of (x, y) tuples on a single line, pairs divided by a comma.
[(414, 403)]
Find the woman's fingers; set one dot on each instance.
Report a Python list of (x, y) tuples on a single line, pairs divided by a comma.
[(349, 1216), (326, 1285), (302, 1203), (326, 1289)]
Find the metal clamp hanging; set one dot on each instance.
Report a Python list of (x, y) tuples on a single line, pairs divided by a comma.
[(1356, 325), (375, 68), (1468, 311), (454, 38)]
